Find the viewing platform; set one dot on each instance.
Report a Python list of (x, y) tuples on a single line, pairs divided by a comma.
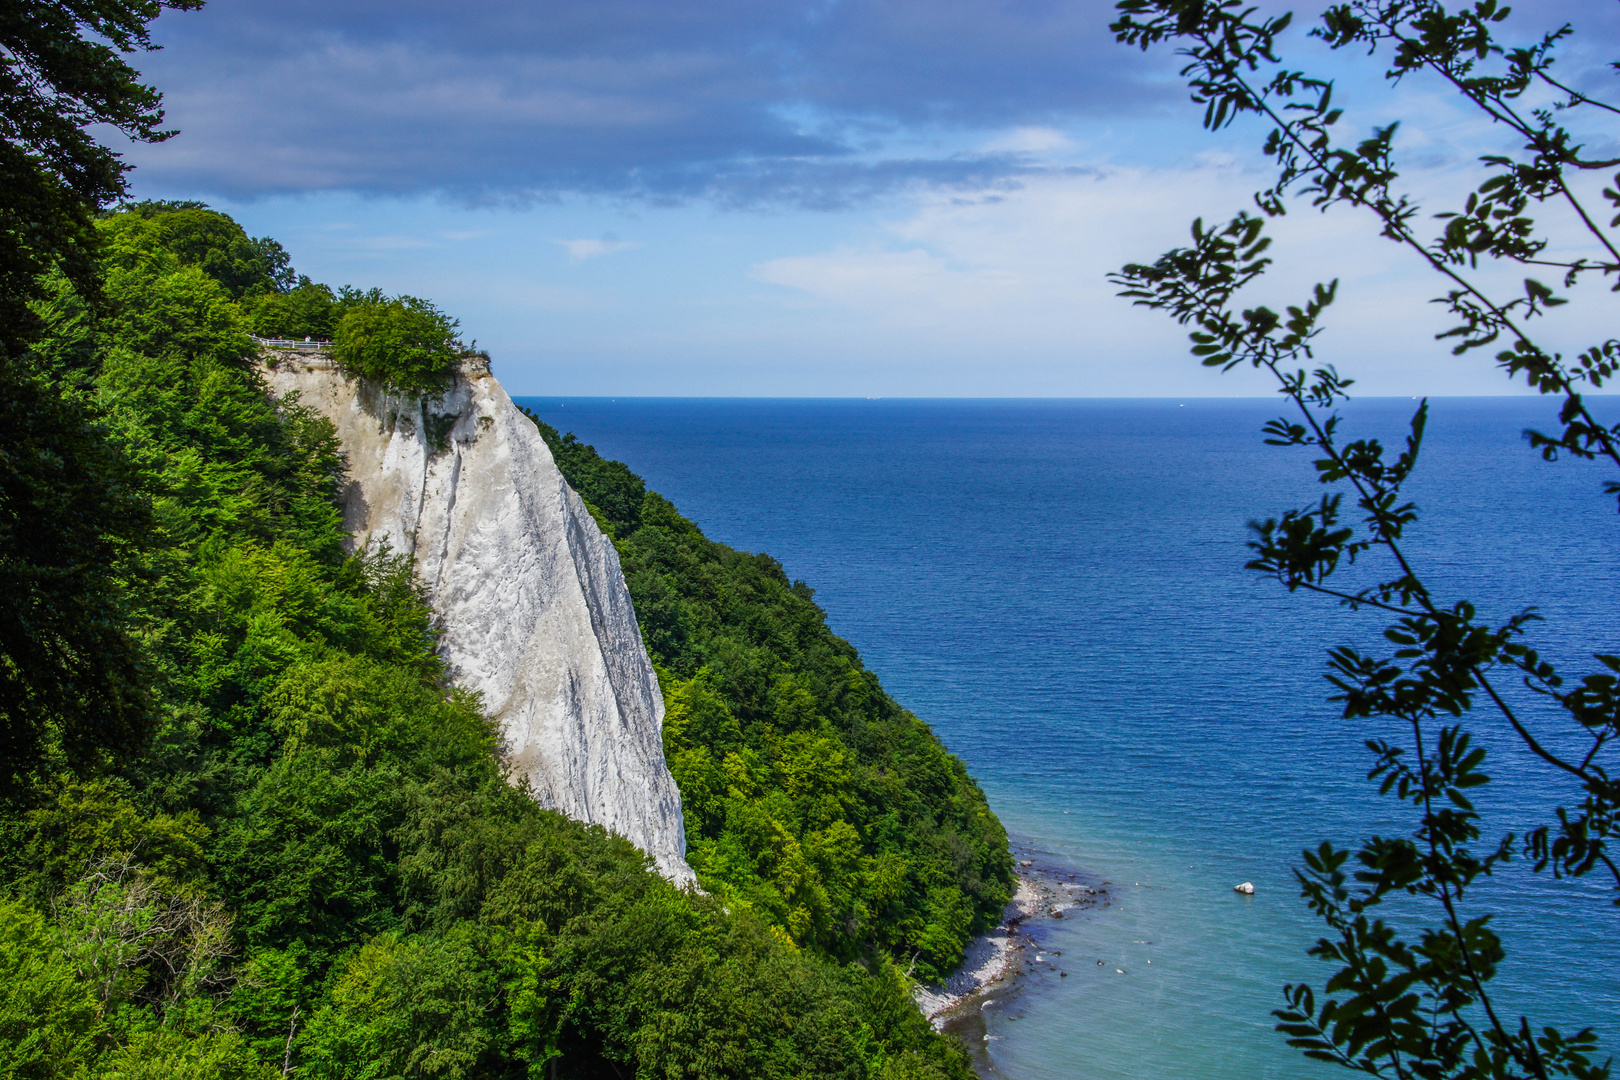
[(306, 345)]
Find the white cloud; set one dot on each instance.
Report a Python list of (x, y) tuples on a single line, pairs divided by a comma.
[(590, 249), (511, 100), (1011, 292), (1029, 140), (886, 280), (1026, 269), (1000, 291)]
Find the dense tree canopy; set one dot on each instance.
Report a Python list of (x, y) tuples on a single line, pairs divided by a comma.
[(248, 831), (246, 267), (72, 515), (69, 516), (403, 343), (314, 861), (307, 310), (62, 74)]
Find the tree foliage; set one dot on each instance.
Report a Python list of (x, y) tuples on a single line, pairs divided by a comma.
[(808, 792), (307, 310), (246, 267), (249, 830), (402, 343), (70, 683), (1404, 1003), (72, 513), (64, 74)]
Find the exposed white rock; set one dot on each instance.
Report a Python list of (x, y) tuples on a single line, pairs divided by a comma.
[(1246, 888), (535, 612)]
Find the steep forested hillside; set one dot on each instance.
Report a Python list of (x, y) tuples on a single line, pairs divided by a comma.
[(808, 792), (260, 836)]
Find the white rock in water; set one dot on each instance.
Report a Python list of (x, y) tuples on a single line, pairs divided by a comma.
[(534, 609), (1247, 888)]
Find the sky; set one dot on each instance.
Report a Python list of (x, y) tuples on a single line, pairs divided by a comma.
[(827, 198)]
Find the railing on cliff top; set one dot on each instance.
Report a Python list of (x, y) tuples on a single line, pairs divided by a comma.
[(325, 345), (308, 344)]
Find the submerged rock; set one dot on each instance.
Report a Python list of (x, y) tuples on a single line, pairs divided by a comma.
[(529, 592)]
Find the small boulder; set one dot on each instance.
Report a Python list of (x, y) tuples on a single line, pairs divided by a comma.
[(1247, 888)]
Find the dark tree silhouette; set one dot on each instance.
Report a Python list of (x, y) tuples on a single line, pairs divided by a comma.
[(1401, 1004)]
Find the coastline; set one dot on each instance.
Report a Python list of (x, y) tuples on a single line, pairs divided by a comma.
[(988, 961), (992, 963)]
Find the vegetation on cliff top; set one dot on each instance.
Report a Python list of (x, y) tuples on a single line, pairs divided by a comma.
[(403, 343)]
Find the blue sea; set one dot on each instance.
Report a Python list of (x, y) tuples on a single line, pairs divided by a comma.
[(1057, 587)]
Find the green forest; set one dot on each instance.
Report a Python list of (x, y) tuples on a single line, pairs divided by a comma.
[(251, 831)]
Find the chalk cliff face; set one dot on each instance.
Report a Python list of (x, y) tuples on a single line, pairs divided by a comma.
[(535, 612)]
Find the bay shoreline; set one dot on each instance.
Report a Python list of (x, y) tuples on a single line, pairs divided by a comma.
[(994, 961), (989, 960)]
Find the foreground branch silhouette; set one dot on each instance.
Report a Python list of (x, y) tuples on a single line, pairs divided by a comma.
[(1396, 1005)]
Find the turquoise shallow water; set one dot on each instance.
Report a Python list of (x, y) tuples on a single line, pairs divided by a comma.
[(1057, 587)]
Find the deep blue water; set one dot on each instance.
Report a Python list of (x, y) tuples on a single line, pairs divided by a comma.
[(1058, 589)]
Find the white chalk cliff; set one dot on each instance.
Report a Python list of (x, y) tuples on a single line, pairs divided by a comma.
[(534, 609)]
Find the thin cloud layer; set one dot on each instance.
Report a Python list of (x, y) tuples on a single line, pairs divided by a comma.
[(816, 104), (591, 249)]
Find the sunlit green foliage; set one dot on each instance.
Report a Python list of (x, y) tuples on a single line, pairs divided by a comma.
[(308, 310), (49, 1016), (63, 81), (70, 680), (245, 266), (808, 792), (313, 860), (404, 343)]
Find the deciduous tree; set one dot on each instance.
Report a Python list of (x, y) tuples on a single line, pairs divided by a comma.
[(62, 73), (69, 512)]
